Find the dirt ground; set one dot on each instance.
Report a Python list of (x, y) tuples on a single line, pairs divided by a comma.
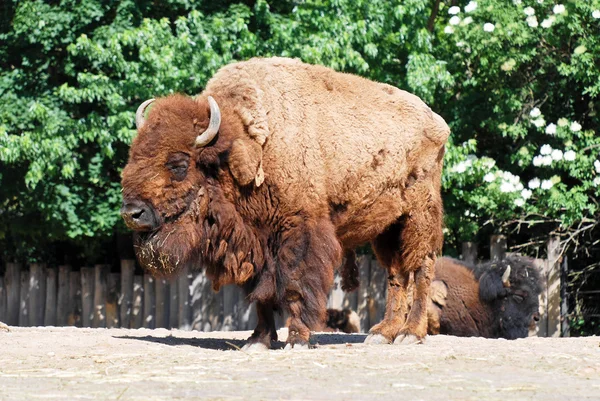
[(118, 364)]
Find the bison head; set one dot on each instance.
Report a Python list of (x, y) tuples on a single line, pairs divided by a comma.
[(175, 191), (512, 288)]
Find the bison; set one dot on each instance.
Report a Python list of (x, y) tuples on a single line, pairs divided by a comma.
[(272, 172), (344, 320), (493, 299)]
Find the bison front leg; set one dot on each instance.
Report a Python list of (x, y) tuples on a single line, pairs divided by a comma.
[(265, 331), (308, 254)]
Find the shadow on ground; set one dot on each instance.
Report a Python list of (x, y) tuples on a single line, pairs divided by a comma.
[(230, 344)]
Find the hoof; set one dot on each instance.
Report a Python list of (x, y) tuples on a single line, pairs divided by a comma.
[(376, 339), (296, 346), (257, 347), (408, 339)]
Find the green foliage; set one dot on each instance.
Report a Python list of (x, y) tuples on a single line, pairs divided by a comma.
[(520, 95)]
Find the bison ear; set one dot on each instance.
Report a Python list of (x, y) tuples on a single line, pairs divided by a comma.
[(245, 161)]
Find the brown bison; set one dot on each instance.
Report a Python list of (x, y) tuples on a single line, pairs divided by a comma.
[(272, 171), (493, 300)]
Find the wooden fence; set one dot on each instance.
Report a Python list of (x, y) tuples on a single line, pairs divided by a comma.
[(95, 297)]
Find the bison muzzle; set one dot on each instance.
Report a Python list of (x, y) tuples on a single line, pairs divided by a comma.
[(276, 168)]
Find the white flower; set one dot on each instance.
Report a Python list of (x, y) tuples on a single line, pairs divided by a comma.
[(471, 6), (467, 21), (507, 187), (488, 162), (569, 155), (557, 154), (448, 29), (537, 160), (453, 10), (540, 1), (597, 181), (546, 184), (526, 193), (454, 20), (551, 129), (547, 23), (575, 126), (488, 27), (534, 183), (596, 14), (529, 11), (519, 202), (489, 177), (558, 9), (547, 160), (540, 122), (546, 149), (597, 166), (517, 2), (535, 112), (532, 21), (519, 186), (460, 167)]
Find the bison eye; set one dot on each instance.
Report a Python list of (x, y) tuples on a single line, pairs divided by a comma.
[(178, 164)]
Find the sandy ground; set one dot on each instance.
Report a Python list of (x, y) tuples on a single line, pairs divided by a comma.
[(117, 364)]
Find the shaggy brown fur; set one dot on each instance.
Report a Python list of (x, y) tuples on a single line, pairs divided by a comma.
[(307, 162), (472, 301)]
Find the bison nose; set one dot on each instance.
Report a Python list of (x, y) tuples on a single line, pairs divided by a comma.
[(138, 216)]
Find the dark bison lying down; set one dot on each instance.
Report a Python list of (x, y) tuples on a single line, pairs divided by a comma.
[(494, 299), (276, 168)]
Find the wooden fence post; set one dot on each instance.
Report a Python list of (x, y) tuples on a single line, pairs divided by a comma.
[(149, 302), (37, 294), (137, 310), (12, 282), (63, 298), (564, 295), (162, 303), (469, 252), (50, 309), (230, 302), (377, 293), (207, 306), (101, 273), (336, 295), (126, 298), (112, 300), (185, 312), (364, 270), (553, 287), (75, 296), (247, 317), (87, 296), (2, 301), (173, 304), (24, 299), (497, 248)]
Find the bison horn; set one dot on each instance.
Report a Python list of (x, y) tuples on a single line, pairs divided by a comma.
[(139, 114), (505, 277), (213, 126)]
